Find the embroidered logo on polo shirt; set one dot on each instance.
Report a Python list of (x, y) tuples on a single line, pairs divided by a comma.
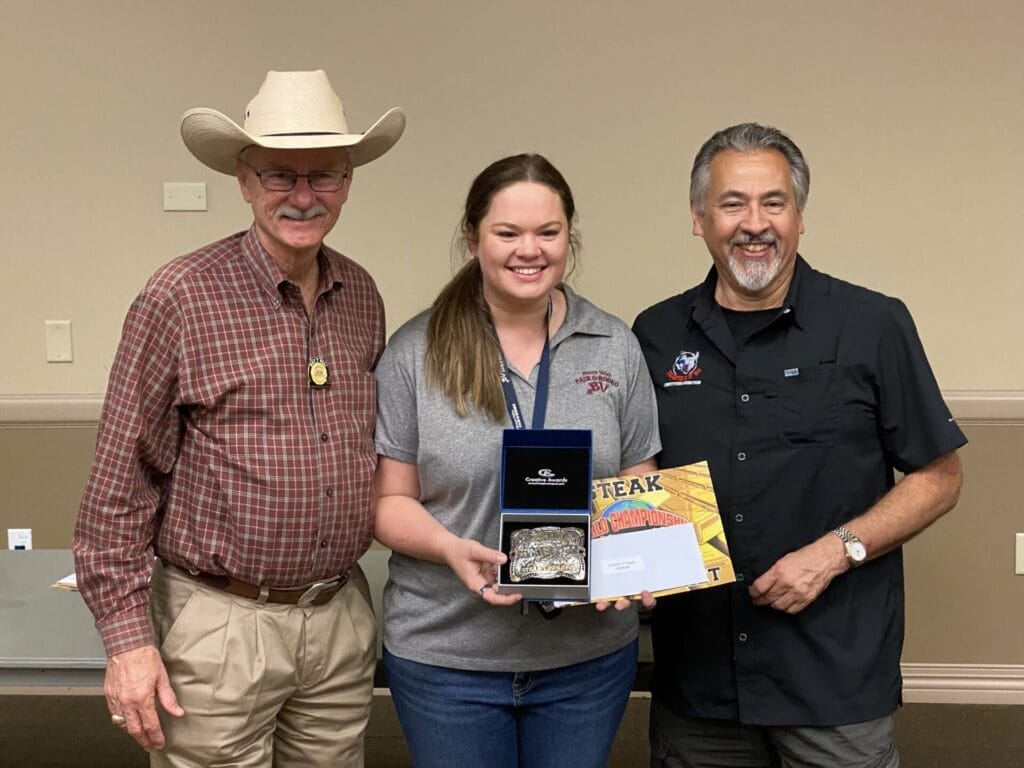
[(597, 381), (685, 370)]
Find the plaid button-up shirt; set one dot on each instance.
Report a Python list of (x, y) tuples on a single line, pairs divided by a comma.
[(214, 452)]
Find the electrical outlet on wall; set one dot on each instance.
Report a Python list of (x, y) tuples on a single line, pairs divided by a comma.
[(19, 538)]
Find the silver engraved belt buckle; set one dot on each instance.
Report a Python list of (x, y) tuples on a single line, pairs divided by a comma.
[(314, 590), (548, 552)]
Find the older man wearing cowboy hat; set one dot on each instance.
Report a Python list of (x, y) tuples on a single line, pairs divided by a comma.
[(230, 496)]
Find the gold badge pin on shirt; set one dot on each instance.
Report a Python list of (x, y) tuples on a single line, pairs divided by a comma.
[(317, 373)]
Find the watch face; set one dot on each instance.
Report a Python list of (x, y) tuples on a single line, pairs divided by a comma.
[(857, 551)]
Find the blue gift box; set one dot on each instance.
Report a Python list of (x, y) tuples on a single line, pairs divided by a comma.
[(545, 491)]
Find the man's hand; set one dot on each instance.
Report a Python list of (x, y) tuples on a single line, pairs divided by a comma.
[(647, 600), (134, 681), (796, 579), (477, 568)]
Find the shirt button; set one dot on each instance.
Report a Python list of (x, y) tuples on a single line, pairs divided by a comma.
[(742, 637), (323, 437), (741, 456), (745, 398), (330, 492), (738, 518), (740, 577), (323, 544)]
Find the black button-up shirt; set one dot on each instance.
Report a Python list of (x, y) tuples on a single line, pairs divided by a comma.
[(802, 424)]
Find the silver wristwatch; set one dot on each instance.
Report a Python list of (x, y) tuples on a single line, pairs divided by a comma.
[(856, 552)]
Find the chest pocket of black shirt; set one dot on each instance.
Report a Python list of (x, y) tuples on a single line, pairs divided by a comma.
[(805, 405)]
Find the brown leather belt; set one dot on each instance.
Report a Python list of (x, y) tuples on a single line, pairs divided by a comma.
[(317, 593)]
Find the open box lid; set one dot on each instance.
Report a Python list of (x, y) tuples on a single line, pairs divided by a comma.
[(546, 470)]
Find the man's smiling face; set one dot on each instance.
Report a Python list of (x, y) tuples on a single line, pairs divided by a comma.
[(752, 227), (292, 223)]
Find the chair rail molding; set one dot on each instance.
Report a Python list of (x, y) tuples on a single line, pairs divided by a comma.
[(50, 410), (969, 406)]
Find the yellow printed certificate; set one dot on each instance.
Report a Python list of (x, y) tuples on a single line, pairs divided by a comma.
[(659, 531)]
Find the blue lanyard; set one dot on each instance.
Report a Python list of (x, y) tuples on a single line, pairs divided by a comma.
[(540, 402)]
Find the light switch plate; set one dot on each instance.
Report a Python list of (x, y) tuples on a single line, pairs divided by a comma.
[(58, 341)]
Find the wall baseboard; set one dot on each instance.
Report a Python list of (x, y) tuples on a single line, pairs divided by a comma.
[(963, 683), (922, 684), (969, 406)]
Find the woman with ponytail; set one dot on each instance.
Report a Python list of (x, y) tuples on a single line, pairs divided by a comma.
[(476, 680)]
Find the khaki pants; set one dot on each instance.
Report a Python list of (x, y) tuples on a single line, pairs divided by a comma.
[(264, 685)]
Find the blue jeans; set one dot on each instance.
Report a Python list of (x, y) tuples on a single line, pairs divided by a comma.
[(565, 717)]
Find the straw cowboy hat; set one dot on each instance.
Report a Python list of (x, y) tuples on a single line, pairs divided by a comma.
[(293, 110)]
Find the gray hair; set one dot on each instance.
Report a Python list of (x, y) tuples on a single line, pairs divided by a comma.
[(744, 138)]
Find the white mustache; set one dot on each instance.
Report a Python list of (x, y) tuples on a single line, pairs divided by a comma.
[(291, 212), (768, 238)]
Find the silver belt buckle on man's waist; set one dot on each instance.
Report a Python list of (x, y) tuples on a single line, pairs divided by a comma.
[(314, 589)]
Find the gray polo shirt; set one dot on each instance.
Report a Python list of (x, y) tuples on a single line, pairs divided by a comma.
[(598, 382)]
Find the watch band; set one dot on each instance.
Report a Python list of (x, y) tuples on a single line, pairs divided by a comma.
[(845, 534), (856, 552)]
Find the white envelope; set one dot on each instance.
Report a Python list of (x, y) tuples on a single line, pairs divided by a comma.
[(625, 564)]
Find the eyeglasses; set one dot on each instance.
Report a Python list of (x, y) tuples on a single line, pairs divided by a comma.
[(284, 181)]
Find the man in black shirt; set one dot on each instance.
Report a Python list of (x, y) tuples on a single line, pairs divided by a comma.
[(805, 394)]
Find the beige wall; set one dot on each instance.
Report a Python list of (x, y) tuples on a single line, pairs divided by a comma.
[(910, 114), (42, 478), (963, 599)]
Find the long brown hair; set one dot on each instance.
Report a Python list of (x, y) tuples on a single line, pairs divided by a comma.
[(462, 351)]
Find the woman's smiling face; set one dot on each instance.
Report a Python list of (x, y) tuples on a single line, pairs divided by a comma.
[(522, 245)]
